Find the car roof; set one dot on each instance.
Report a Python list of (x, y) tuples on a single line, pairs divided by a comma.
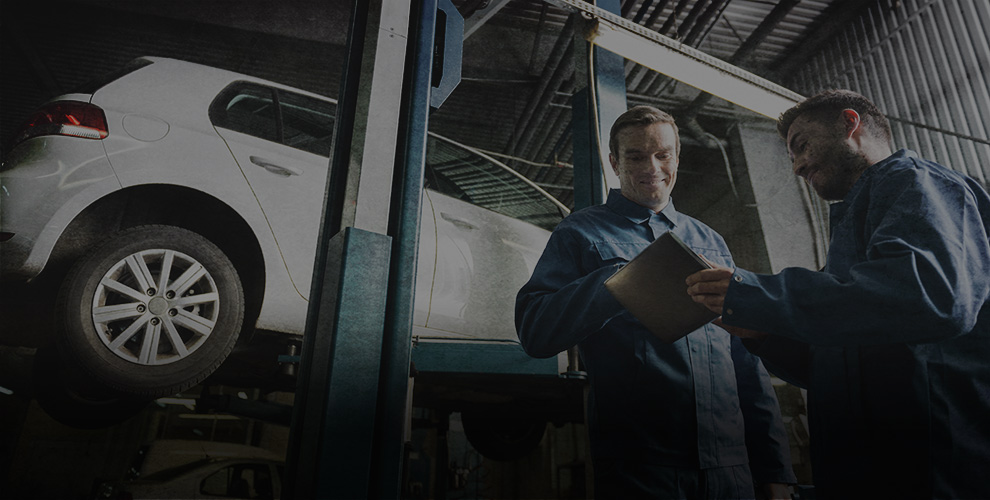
[(231, 76)]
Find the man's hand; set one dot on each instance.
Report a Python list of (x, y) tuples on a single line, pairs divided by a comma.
[(709, 286), (777, 491)]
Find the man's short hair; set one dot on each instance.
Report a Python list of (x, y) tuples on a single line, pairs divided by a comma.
[(640, 116), (826, 106)]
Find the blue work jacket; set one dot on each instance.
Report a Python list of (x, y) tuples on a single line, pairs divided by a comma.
[(891, 338), (701, 402)]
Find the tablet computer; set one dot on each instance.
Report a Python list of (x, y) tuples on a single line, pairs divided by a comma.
[(652, 287)]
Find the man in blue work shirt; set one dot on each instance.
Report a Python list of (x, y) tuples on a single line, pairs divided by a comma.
[(694, 419), (892, 337)]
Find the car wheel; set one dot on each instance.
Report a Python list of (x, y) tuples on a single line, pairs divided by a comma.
[(502, 438), (151, 312)]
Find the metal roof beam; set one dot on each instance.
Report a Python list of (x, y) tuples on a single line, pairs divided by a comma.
[(683, 63)]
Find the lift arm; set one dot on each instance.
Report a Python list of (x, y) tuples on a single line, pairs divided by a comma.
[(681, 62)]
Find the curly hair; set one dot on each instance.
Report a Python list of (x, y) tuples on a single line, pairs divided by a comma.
[(827, 105), (641, 116)]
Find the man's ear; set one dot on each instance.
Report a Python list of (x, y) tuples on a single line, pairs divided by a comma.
[(851, 122), (614, 162)]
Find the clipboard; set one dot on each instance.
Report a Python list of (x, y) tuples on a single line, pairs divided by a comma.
[(652, 288)]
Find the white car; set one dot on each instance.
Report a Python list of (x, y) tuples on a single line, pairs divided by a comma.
[(184, 201), (236, 478)]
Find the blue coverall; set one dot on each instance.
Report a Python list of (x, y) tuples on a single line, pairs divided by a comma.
[(702, 402), (892, 338)]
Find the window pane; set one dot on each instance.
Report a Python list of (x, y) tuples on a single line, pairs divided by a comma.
[(463, 174), (216, 483), (307, 123), (246, 109)]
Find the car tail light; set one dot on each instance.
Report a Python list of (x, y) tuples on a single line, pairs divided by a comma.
[(71, 118)]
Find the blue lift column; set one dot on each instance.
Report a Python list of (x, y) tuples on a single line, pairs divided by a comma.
[(595, 108), (346, 434)]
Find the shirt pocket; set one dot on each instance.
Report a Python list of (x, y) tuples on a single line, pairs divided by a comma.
[(612, 252)]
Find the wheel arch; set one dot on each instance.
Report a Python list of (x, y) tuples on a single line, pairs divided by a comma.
[(156, 204)]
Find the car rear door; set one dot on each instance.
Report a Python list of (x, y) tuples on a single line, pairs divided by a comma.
[(288, 177), (281, 140)]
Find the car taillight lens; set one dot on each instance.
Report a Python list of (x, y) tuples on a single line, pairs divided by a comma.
[(71, 118)]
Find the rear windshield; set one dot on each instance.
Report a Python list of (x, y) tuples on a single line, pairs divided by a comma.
[(95, 84)]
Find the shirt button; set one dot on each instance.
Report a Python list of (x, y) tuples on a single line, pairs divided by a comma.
[(737, 278), (728, 311)]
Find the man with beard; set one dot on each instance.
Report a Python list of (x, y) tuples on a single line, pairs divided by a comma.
[(892, 337), (694, 419)]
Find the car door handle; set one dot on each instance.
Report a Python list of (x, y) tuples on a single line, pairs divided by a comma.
[(458, 222), (273, 168)]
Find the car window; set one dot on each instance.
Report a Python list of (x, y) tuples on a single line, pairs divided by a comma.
[(240, 481), (461, 173), (246, 108), (307, 123)]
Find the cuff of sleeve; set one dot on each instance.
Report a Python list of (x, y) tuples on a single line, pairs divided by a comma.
[(779, 475), (733, 306), (606, 303)]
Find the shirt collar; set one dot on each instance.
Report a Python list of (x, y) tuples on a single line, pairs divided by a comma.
[(876, 167), (636, 213)]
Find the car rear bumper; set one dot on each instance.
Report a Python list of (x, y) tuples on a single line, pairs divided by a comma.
[(46, 183)]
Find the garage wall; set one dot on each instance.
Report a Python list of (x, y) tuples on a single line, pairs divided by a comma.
[(926, 63)]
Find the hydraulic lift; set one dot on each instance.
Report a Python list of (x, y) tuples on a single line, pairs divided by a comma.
[(352, 405)]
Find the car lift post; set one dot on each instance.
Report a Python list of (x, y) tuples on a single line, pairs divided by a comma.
[(346, 437), (595, 108)]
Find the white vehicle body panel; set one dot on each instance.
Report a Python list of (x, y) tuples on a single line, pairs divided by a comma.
[(471, 260), (48, 196)]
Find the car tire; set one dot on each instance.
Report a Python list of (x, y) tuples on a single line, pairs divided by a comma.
[(502, 438), (140, 334)]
